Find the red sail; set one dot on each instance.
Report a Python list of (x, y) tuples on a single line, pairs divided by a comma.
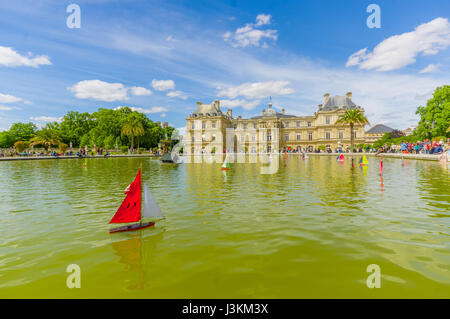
[(130, 210)]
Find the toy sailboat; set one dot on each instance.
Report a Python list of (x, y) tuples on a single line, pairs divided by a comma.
[(226, 164), (138, 205), (305, 156), (364, 161), (341, 158)]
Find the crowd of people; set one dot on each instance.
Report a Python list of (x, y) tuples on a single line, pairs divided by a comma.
[(425, 147)]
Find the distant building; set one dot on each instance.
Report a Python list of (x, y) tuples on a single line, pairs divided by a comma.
[(409, 130), (206, 128), (164, 124), (376, 132)]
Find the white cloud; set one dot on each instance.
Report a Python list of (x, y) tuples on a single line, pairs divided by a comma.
[(400, 50), (99, 90), (46, 119), (104, 91), (163, 85), (178, 94), (249, 36), (10, 58), (163, 115), (247, 105), (262, 19), (430, 68), (257, 89), (154, 109), (6, 98), (8, 108), (139, 91)]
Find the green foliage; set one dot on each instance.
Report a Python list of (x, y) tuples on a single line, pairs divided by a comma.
[(6, 139), (103, 128), (63, 147), (124, 149), (435, 116), (22, 131), (46, 137), (21, 146), (109, 142), (352, 117), (438, 138), (322, 147)]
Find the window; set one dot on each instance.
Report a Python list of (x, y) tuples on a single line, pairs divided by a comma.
[(253, 149), (253, 138), (341, 134), (269, 149), (287, 124), (242, 138), (203, 125), (269, 136), (354, 134), (235, 126), (286, 137), (327, 120), (213, 124), (298, 137), (255, 125), (245, 126), (193, 138), (310, 136), (298, 124), (327, 135), (193, 126), (213, 137), (309, 124), (203, 137)]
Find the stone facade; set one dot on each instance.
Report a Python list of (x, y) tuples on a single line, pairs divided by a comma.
[(207, 128)]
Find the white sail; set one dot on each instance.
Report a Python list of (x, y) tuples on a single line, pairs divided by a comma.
[(224, 165), (149, 206)]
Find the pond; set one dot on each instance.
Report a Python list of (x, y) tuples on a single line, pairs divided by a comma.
[(309, 230)]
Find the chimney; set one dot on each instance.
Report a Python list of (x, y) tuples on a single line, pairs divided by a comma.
[(230, 113), (217, 104), (326, 96), (349, 95), (282, 111)]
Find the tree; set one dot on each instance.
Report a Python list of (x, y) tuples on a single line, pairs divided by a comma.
[(74, 125), (46, 137), (22, 131), (435, 117), (21, 146), (6, 139), (352, 117), (63, 147), (133, 127)]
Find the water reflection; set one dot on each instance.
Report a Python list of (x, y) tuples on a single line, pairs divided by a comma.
[(137, 254)]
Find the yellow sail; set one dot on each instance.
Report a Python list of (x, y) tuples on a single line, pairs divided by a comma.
[(364, 160)]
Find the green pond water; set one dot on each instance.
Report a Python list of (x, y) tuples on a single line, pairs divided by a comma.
[(308, 231)]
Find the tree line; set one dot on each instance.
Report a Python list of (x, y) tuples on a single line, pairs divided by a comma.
[(104, 128)]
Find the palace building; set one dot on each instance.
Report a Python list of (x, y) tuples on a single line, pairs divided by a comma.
[(209, 129)]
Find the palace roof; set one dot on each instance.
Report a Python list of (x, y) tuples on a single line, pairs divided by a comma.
[(379, 129), (337, 101)]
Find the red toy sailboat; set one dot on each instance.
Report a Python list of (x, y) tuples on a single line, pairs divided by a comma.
[(138, 210), (341, 158)]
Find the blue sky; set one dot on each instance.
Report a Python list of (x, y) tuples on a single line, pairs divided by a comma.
[(161, 57)]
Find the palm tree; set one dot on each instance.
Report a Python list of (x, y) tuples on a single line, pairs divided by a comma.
[(46, 137), (352, 117), (133, 127)]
